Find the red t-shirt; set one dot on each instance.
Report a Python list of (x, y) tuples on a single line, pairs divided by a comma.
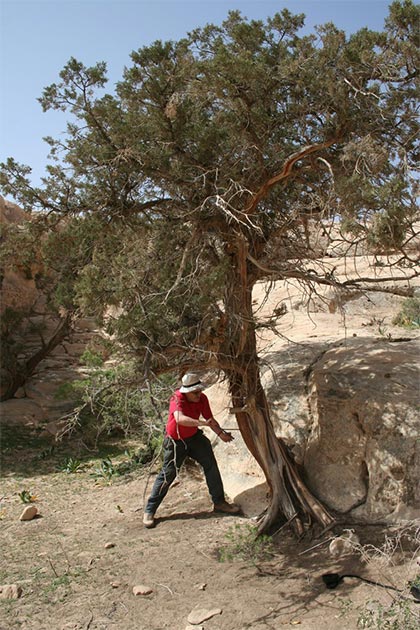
[(194, 410)]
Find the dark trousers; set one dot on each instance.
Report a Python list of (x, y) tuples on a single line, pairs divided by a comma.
[(175, 452)]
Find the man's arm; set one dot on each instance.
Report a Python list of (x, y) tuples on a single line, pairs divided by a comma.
[(187, 421), (215, 426)]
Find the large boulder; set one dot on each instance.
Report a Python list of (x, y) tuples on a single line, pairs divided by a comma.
[(363, 453), (349, 413)]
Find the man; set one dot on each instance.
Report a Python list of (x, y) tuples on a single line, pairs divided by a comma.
[(189, 409)]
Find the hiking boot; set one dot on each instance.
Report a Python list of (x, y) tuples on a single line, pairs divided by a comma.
[(226, 508), (148, 520)]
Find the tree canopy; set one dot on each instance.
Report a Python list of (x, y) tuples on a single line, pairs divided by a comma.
[(205, 172)]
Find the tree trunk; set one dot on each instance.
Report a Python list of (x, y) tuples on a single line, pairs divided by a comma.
[(289, 496), (26, 369)]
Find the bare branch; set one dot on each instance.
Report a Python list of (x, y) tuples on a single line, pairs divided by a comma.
[(287, 171)]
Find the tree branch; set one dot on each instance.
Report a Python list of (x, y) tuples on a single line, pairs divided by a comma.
[(286, 171)]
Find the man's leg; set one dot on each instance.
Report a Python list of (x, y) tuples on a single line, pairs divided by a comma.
[(200, 449), (174, 454)]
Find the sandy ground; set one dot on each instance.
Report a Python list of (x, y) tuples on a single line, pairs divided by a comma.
[(78, 561)]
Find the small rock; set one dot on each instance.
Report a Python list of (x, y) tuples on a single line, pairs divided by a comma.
[(202, 614), (10, 591), (115, 584), (201, 587), (142, 589), (109, 545), (28, 513), (344, 544)]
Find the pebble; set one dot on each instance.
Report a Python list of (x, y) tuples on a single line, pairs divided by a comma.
[(10, 591), (344, 544), (142, 589), (28, 513), (202, 614)]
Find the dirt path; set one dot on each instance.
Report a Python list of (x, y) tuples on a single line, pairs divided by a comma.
[(78, 562)]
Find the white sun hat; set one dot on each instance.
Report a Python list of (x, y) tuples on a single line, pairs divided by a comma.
[(191, 383)]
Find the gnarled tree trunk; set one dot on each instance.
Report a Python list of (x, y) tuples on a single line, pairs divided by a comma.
[(289, 496)]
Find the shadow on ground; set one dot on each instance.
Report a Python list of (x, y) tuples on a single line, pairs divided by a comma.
[(28, 452)]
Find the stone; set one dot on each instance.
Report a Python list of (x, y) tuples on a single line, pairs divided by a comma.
[(21, 411), (29, 513), (363, 454), (42, 390), (109, 545), (75, 349), (10, 591), (199, 615), (56, 428), (142, 589), (344, 544)]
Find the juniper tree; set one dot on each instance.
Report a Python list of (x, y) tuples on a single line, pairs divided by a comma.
[(208, 169)]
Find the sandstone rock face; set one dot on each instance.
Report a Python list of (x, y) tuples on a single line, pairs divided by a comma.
[(10, 212), (363, 453), (22, 411), (345, 399), (37, 401)]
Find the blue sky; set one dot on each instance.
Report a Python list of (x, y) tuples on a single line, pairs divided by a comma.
[(38, 37)]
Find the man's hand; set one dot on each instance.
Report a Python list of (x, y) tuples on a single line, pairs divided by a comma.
[(225, 436)]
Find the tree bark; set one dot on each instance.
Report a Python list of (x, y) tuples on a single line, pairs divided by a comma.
[(289, 496), (26, 369)]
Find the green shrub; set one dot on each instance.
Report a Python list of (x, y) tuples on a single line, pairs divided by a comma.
[(109, 401), (71, 465), (26, 496), (91, 358), (244, 543), (106, 471), (409, 315)]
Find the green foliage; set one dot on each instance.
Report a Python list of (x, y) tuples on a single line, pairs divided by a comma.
[(106, 471), (409, 315), (91, 358), (26, 496), (148, 194), (244, 543), (74, 236), (71, 465), (11, 318), (109, 470), (110, 401)]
